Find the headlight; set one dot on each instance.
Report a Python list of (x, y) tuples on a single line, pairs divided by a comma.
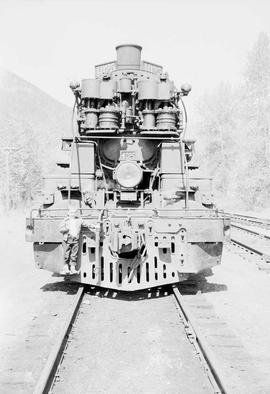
[(128, 174)]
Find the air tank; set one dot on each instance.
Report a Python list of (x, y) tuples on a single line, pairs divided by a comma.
[(90, 88), (107, 89), (128, 56), (148, 89), (124, 85), (165, 90)]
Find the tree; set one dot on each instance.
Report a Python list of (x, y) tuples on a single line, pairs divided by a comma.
[(234, 125), (216, 125), (254, 180), (257, 72), (25, 169)]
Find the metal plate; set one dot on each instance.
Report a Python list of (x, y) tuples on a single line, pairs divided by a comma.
[(127, 155)]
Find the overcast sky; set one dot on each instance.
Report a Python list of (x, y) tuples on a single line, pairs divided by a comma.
[(199, 41)]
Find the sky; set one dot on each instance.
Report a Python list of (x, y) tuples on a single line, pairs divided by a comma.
[(202, 42)]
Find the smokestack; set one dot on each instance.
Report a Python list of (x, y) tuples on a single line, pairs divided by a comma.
[(128, 56)]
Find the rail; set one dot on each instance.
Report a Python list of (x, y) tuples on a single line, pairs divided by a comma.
[(250, 220), (209, 356), (247, 247), (263, 236), (260, 248), (44, 383), (217, 368)]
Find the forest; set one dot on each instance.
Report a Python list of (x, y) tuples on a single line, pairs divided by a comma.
[(232, 126)]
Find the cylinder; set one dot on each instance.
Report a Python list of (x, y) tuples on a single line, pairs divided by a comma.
[(90, 88), (166, 120), (148, 89), (148, 120), (165, 90), (107, 89), (128, 56), (108, 119), (124, 85), (91, 119)]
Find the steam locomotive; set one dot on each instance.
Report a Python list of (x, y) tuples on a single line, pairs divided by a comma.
[(129, 172)]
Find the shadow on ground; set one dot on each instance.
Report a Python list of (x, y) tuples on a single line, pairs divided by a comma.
[(138, 295), (67, 287), (196, 283)]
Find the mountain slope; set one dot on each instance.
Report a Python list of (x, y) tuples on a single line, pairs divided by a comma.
[(32, 122)]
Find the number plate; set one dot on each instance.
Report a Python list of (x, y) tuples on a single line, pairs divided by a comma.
[(127, 155)]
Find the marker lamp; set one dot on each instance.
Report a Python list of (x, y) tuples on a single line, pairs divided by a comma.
[(128, 174)]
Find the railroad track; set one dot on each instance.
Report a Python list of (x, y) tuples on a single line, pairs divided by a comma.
[(251, 232), (253, 243), (250, 220), (171, 334), (49, 372)]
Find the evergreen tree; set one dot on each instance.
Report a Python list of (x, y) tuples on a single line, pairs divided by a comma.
[(234, 125), (216, 124), (254, 179)]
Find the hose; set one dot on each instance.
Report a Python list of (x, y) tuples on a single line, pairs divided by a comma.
[(185, 117), (72, 152)]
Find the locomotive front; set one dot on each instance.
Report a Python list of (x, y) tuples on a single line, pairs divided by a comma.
[(146, 220)]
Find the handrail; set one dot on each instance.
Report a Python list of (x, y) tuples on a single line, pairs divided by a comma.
[(122, 211)]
